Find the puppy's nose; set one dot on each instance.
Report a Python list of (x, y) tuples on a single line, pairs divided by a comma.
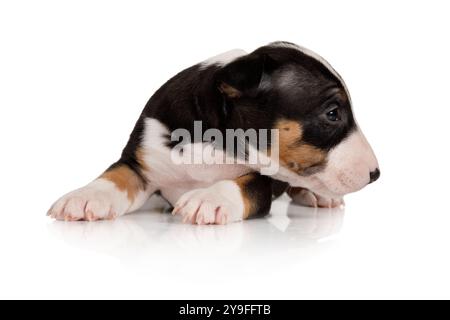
[(374, 175)]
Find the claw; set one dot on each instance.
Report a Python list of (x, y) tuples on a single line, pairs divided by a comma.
[(89, 216), (176, 210)]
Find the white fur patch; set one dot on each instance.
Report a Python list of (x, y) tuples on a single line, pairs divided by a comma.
[(224, 58), (98, 200), (220, 203), (354, 156)]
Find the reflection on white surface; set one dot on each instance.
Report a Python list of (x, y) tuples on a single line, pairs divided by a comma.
[(154, 235), (295, 252)]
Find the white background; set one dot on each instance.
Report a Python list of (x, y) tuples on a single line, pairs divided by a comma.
[(74, 77)]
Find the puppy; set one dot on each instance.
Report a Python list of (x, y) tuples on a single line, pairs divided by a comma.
[(316, 147)]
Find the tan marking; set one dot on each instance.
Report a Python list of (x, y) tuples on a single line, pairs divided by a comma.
[(242, 182), (125, 179), (140, 157), (230, 91), (295, 154)]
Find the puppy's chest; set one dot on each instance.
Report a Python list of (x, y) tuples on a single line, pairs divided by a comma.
[(187, 170), (163, 172)]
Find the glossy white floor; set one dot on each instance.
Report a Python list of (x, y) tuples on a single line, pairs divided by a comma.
[(368, 250), (74, 78)]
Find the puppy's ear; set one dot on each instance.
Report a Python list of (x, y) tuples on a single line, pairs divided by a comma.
[(244, 76)]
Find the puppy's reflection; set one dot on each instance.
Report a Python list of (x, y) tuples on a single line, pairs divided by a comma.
[(157, 234)]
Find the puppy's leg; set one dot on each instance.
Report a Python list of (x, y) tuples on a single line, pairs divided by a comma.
[(119, 190), (227, 201), (307, 198)]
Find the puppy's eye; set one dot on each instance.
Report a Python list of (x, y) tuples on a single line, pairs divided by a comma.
[(333, 115)]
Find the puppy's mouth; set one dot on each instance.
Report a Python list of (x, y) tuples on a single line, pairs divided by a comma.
[(317, 185), (306, 178), (339, 186), (318, 179)]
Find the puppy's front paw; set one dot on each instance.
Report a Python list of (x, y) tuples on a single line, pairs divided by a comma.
[(98, 200), (209, 206), (308, 198)]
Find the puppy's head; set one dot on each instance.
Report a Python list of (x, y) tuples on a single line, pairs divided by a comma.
[(286, 87)]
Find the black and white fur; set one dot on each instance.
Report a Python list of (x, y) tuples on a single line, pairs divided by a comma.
[(277, 82)]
